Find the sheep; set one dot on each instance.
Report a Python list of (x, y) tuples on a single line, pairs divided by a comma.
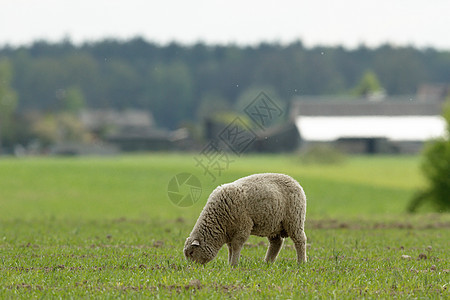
[(268, 205)]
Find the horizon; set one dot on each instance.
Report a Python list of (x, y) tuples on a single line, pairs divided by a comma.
[(348, 24), (79, 44)]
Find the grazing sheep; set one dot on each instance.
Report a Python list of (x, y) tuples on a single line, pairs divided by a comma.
[(268, 205)]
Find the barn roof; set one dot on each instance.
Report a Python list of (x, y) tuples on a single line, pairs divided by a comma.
[(366, 108), (95, 119)]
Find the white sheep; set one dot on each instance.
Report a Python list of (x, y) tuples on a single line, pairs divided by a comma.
[(268, 205)]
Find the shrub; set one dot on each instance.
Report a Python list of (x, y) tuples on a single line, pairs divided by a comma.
[(321, 154), (436, 168)]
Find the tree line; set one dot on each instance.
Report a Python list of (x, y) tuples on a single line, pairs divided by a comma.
[(180, 83)]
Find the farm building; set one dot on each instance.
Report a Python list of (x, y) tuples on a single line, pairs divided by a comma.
[(276, 139), (133, 130), (394, 125)]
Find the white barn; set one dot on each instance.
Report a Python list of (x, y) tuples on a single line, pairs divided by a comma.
[(370, 127)]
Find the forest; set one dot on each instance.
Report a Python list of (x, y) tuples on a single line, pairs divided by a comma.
[(181, 84)]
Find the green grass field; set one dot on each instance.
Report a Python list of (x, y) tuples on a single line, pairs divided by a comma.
[(104, 227)]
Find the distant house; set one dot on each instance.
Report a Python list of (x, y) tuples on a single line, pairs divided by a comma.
[(105, 121), (281, 138), (150, 140), (433, 92), (133, 130), (395, 125), (276, 139)]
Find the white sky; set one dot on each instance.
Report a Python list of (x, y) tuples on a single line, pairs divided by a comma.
[(420, 23)]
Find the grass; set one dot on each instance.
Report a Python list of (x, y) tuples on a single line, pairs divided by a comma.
[(136, 187), (104, 228)]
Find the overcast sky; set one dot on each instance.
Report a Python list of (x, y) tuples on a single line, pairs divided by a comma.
[(422, 23)]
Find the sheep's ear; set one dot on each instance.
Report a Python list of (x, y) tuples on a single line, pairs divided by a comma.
[(195, 243)]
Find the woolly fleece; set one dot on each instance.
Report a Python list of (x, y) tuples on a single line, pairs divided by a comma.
[(268, 205)]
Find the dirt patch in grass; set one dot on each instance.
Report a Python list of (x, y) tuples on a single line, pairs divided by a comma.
[(357, 225), (25, 286), (55, 268), (193, 285)]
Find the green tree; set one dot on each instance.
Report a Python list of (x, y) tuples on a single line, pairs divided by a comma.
[(59, 128), (402, 70), (368, 85), (436, 168), (8, 100), (171, 91), (249, 95), (122, 84), (73, 100), (210, 105)]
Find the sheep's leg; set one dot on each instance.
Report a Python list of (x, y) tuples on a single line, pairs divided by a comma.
[(275, 244), (236, 245), (230, 253), (235, 250), (300, 245)]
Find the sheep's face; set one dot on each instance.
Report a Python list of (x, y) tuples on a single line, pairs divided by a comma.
[(197, 251)]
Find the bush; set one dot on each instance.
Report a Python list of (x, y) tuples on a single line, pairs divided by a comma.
[(436, 168), (321, 154)]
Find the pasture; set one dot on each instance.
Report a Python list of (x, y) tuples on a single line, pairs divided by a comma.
[(105, 228)]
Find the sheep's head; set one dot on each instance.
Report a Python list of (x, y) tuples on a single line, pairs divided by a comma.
[(198, 251)]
